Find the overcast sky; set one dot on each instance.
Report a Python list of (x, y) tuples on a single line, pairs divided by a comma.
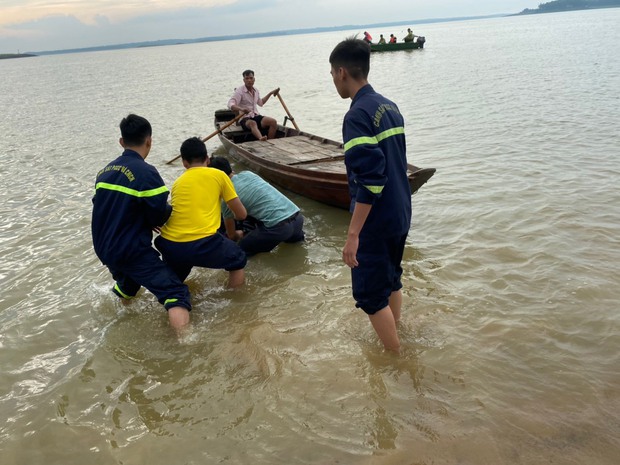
[(41, 25)]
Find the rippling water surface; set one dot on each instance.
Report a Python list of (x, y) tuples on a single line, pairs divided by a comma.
[(510, 324)]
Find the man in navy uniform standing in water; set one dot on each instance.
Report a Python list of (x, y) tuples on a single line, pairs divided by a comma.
[(375, 158), (130, 200)]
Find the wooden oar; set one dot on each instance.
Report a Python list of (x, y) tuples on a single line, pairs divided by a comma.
[(214, 133), (287, 112)]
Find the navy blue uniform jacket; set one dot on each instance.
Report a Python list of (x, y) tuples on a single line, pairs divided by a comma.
[(375, 156), (130, 200)]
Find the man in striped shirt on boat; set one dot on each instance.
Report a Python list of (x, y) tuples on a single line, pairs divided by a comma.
[(376, 161), (247, 99)]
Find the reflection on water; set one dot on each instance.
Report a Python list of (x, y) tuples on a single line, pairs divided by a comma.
[(509, 332)]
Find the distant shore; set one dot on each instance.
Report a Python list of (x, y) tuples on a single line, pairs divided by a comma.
[(550, 7), (5, 56), (570, 5), (166, 42)]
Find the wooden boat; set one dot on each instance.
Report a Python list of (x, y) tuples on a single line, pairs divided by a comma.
[(300, 162), (417, 43)]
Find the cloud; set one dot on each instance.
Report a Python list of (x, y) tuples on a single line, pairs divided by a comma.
[(105, 22), (46, 27), (21, 11), (53, 32), (88, 23)]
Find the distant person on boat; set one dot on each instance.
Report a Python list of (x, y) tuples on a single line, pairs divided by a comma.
[(392, 39), (190, 237), (381, 40), (277, 218), (376, 161), (131, 200), (410, 36), (367, 37), (247, 99)]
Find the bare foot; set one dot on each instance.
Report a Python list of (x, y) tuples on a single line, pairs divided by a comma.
[(178, 317), (263, 138)]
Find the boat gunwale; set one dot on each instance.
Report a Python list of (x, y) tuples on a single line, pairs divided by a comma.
[(297, 177), (399, 46)]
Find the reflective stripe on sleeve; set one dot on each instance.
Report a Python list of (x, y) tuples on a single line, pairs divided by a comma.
[(360, 141), (390, 133), (373, 140), (133, 192), (375, 189)]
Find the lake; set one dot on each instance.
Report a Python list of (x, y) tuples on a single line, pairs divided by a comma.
[(510, 328)]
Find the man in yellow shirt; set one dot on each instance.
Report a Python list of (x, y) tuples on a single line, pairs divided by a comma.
[(190, 238)]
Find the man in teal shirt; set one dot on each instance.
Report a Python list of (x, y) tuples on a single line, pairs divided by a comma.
[(278, 219)]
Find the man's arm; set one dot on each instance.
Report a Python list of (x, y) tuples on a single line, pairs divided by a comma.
[(349, 252), (231, 231), (237, 208), (156, 208), (234, 102), (364, 157), (366, 161), (266, 97), (238, 109)]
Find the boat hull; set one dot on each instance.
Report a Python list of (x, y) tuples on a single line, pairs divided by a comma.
[(397, 46), (300, 162), (329, 189)]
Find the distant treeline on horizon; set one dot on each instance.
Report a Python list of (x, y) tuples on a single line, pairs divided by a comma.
[(164, 42), (550, 7), (15, 55), (568, 5)]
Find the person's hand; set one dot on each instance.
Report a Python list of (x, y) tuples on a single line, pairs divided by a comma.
[(238, 235), (157, 230), (349, 252), (245, 111), (275, 91)]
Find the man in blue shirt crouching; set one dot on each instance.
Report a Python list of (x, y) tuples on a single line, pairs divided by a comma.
[(278, 219)]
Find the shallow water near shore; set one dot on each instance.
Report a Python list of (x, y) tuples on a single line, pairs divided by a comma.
[(510, 326)]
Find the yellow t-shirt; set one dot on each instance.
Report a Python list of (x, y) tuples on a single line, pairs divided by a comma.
[(196, 207)]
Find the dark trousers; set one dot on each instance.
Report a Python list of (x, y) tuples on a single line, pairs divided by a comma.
[(379, 271), (263, 239), (216, 251), (152, 273)]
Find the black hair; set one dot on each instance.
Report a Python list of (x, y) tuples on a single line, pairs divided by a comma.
[(221, 164), (135, 130), (193, 150), (247, 72), (353, 55)]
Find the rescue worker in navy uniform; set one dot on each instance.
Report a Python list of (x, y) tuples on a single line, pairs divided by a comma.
[(376, 161), (131, 200)]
